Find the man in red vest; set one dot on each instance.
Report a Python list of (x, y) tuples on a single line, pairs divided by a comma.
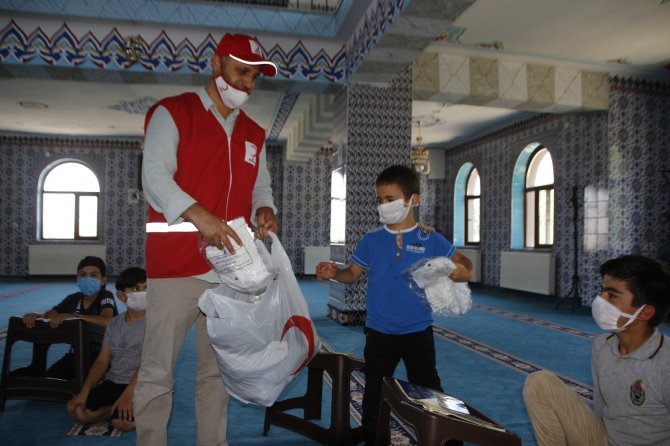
[(203, 165)]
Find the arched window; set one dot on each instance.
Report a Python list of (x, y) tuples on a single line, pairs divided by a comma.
[(467, 204), (539, 200), (472, 208), (68, 202)]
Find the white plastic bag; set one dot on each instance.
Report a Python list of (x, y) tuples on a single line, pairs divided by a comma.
[(430, 280), (261, 346)]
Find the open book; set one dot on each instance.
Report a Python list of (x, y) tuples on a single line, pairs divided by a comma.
[(437, 402)]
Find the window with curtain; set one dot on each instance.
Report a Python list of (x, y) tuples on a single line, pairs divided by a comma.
[(472, 208), (69, 196), (539, 200)]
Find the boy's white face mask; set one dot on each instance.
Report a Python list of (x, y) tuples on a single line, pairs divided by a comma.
[(394, 212), (137, 300), (230, 96), (607, 315)]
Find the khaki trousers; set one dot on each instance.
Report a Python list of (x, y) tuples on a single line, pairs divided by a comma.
[(559, 415), (172, 307)]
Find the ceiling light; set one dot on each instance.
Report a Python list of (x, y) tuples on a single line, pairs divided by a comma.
[(419, 155)]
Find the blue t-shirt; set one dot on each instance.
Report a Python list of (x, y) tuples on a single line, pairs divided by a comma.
[(392, 307)]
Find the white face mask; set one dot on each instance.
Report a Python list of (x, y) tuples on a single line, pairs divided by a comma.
[(137, 300), (394, 212), (607, 315), (230, 96)]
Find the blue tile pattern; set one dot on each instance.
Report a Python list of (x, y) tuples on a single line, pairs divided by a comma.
[(639, 135), (377, 134)]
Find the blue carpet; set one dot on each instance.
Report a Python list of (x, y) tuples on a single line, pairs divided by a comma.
[(483, 358)]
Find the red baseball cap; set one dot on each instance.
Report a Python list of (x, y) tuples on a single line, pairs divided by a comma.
[(245, 49)]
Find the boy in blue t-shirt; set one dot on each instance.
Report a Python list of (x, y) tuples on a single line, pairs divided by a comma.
[(398, 323)]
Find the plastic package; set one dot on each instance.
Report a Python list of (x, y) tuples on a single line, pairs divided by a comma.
[(244, 270), (261, 344), (430, 280)]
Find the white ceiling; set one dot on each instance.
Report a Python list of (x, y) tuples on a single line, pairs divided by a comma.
[(583, 33)]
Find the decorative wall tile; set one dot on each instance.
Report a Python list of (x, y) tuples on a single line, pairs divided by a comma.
[(638, 133), (370, 31), (162, 54), (378, 135), (305, 207)]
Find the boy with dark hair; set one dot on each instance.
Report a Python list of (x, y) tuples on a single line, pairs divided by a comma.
[(630, 365), (398, 323), (118, 360), (93, 303)]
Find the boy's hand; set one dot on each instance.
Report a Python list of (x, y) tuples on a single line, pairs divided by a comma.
[(124, 406), (56, 320), (326, 270), (75, 407), (460, 273), (30, 318)]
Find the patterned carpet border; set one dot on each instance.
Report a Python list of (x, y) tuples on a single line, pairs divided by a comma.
[(511, 361), (538, 322), (103, 428)]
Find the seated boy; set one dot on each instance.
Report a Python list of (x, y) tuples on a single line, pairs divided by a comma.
[(117, 361), (630, 364), (93, 303)]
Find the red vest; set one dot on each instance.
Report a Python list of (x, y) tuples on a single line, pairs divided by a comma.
[(204, 163)]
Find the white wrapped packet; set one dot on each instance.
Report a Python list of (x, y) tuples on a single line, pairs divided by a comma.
[(430, 280)]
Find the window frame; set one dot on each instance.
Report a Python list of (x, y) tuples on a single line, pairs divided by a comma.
[(535, 190), (466, 209), (77, 200)]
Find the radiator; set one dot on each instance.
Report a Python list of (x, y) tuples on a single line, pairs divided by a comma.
[(527, 271), (476, 258), (60, 259), (312, 256)]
